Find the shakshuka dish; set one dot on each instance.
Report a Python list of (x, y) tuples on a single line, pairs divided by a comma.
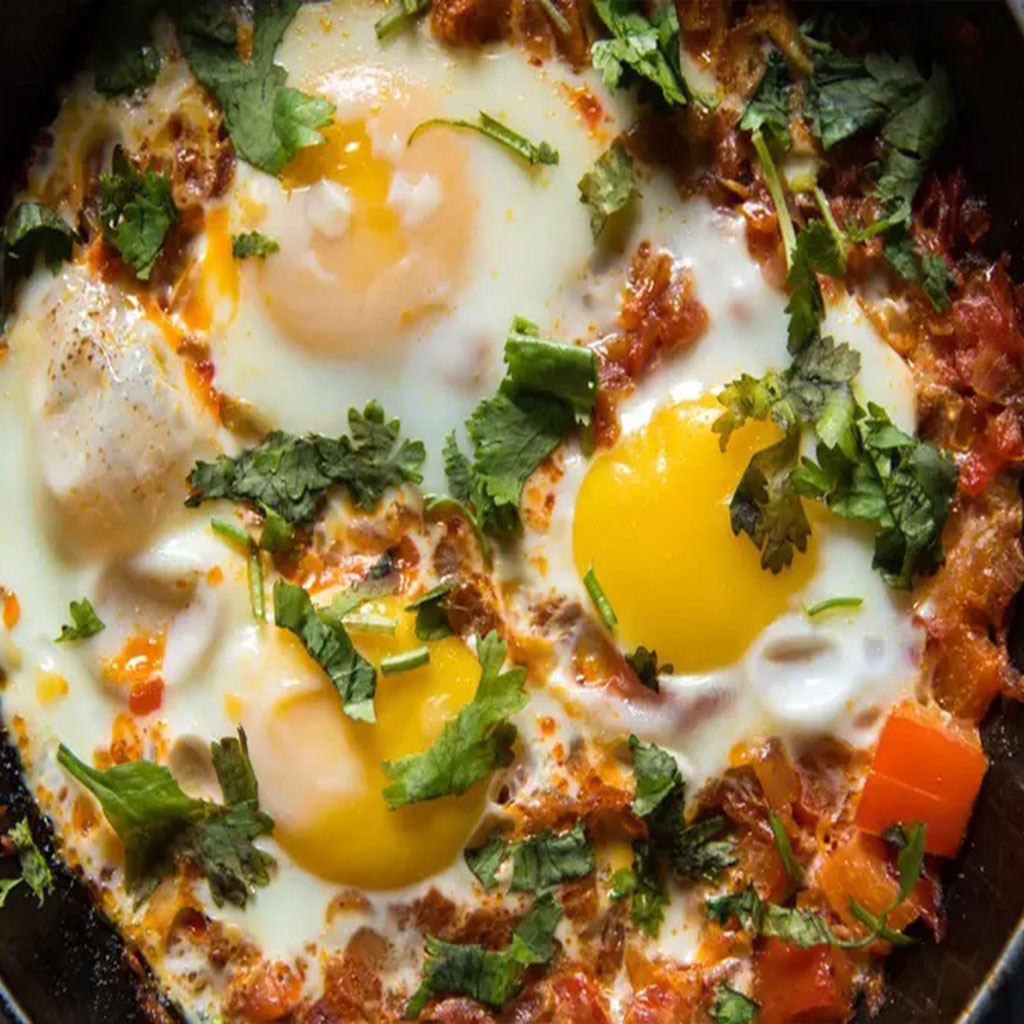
[(510, 506)]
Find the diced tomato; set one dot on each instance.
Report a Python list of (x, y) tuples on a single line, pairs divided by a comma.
[(578, 998), (858, 868), (802, 986), (926, 768), (271, 993), (146, 696)]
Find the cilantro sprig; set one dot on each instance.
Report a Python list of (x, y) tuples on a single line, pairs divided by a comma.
[(268, 122), (136, 212), (490, 977), (549, 387), (472, 744), (162, 827), (292, 475), (608, 187)]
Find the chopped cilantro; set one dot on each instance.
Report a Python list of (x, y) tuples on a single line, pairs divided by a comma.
[(539, 862), (568, 372), (32, 230), (472, 744), (645, 48), (766, 505), (600, 599), (645, 664), (609, 186), (782, 844), (136, 212), (903, 485), (35, 872), (745, 906), (490, 977), (432, 611), (657, 776), (268, 122), (405, 662), (768, 109), (649, 897), (291, 475), (85, 622), (926, 269), (697, 853), (252, 243), (160, 825), (778, 194), (327, 643), (492, 128), (815, 252), (732, 1007), (401, 14), (832, 602)]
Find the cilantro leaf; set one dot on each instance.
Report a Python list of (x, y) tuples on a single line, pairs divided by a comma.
[(432, 611), (328, 644), (904, 485), (844, 98), (803, 928), (291, 475), (768, 109), (645, 664), (145, 807), (745, 906), (539, 862), (732, 1007), (136, 212), (929, 271), (485, 861), (609, 186), (490, 977), (252, 243), (86, 622), (473, 743), (160, 825), (33, 230), (766, 505), (568, 372), (267, 121), (649, 897), (532, 152), (512, 433), (400, 15), (34, 869), (657, 776), (697, 854), (815, 252), (645, 47)]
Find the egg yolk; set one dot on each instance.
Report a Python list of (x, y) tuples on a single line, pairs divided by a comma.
[(376, 231), (652, 518), (320, 772)]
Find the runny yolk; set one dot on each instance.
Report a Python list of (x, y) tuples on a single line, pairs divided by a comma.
[(320, 772), (652, 518)]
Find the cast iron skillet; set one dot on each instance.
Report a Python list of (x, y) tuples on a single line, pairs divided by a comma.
[(63, 962)]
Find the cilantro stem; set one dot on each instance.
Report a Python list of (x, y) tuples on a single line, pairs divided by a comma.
[(771, 177), (234, 534), (405, 661), (831, 603), (600, 599), (440, 505), (556, 17), (830, 221), (789, 861), (533, 153), (371, 625), (256, 595)]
